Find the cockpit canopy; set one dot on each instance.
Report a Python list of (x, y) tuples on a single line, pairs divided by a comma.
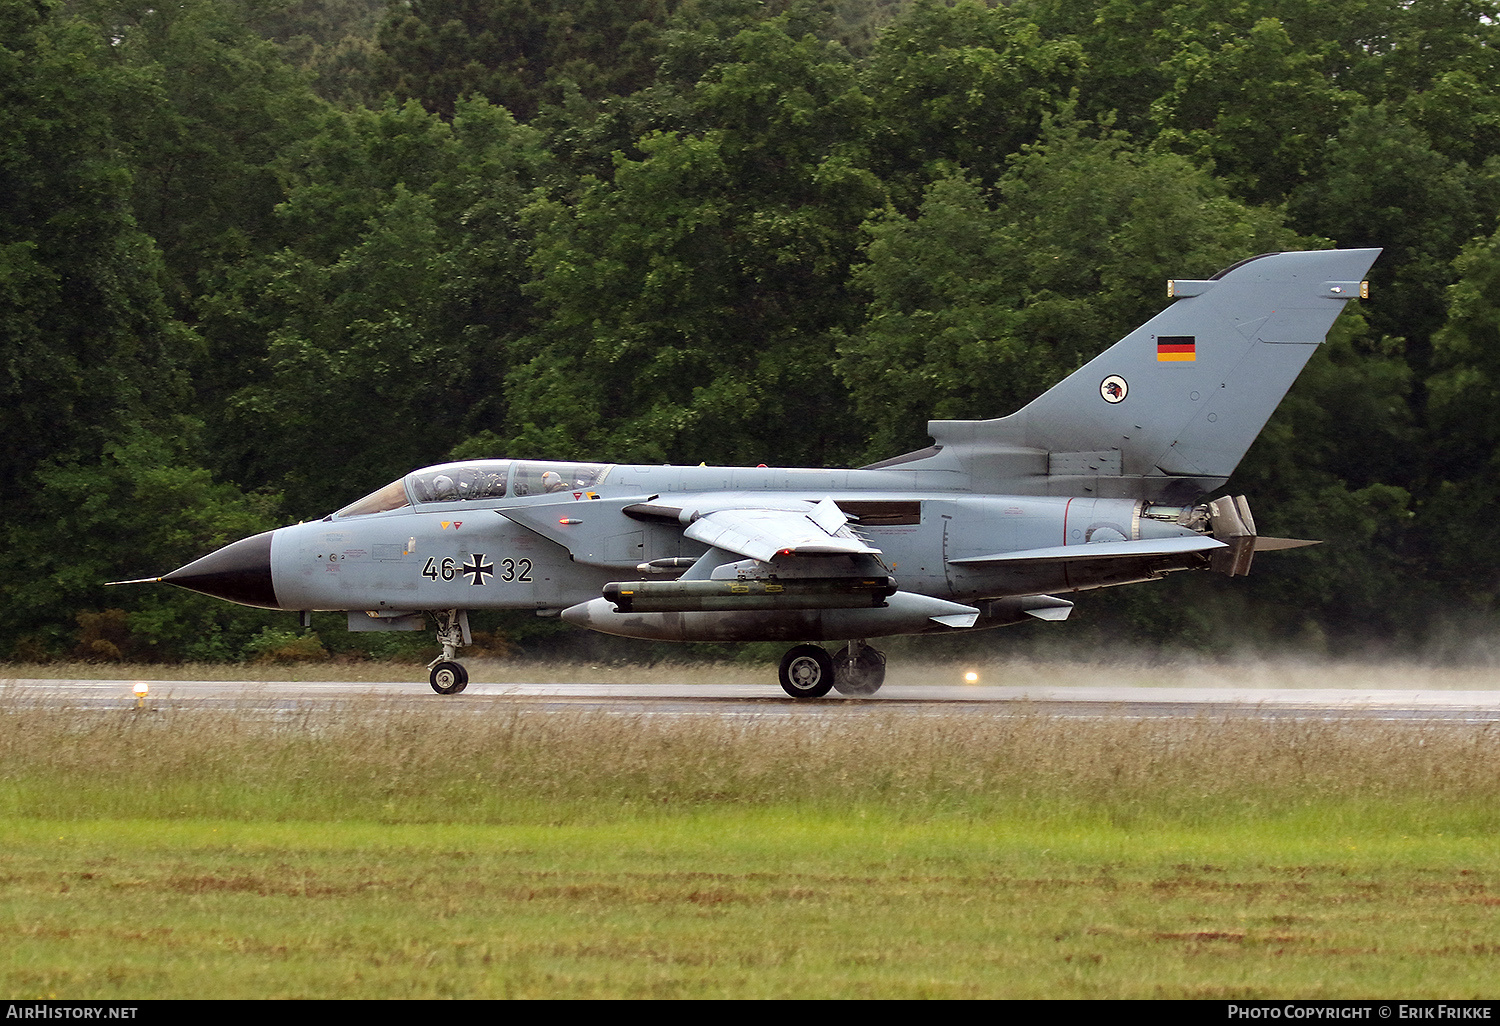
[(457, 482), (479, 479)]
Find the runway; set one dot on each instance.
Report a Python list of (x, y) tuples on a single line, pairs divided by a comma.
[(766, 700)]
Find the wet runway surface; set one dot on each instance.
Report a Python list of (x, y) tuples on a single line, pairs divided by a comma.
[(738, 700)]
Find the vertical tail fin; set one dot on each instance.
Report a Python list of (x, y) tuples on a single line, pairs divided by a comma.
[(1172, 407)]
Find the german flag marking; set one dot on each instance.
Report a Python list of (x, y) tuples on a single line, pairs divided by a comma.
[(1176, 348)]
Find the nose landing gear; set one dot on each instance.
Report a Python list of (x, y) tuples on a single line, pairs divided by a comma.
[(450, 677)]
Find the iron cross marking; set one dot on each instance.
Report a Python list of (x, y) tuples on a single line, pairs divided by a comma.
[(476, 569)]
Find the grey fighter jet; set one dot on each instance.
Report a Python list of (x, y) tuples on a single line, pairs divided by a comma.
[(1098, 482)]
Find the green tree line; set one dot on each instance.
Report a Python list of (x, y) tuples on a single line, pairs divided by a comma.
[(258, 257)]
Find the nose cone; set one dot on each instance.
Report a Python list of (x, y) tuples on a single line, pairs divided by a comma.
[(240, 572)]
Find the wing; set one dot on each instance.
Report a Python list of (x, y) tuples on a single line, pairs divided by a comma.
[(759, 526), (765, 534)]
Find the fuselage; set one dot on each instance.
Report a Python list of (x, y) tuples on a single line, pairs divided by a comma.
[(546, 536)]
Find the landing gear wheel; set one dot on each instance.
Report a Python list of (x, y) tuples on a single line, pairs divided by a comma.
[(449, 678), (806, 672), (868, 672)]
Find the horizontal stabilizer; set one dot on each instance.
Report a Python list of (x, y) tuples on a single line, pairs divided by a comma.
[(1275, 544), (1100, 550)]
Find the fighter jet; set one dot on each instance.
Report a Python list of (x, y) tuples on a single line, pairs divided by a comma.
[(1098, 482)]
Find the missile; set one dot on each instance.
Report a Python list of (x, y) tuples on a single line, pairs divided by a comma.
[(750, 593), (903, 612)]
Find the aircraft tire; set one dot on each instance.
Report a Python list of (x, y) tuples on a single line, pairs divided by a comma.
[(868, 675), (449, 678), (806, 672)]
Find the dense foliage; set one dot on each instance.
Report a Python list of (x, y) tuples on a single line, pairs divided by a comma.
[(258, 257)]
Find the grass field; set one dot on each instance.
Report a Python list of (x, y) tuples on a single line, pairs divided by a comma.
[(385, 851)]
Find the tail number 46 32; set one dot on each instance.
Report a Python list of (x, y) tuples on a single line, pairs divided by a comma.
[(478, 569)]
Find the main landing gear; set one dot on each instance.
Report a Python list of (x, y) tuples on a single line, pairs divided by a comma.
[(450, 677), (808, 671)]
